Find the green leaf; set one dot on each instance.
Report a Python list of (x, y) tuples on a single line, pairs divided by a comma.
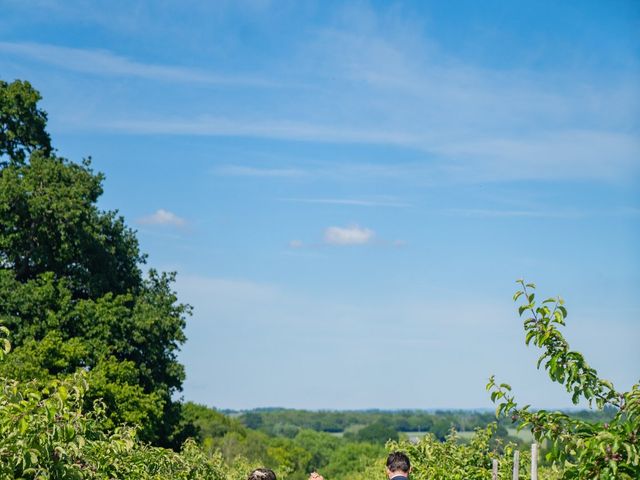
[(63, 393), (23, 425), (529, 336), (557, 317)]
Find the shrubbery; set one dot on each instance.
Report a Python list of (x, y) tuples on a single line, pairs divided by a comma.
[(45, 433)]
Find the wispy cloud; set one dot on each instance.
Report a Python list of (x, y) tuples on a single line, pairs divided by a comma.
[(390, 85), (544, 213), (268, 128), (562, 154), (249, 171), (332, 170), (478, 157), (352, 235), (350, 202), (106, 63), (163, 217), (345, 236), (488, 213)]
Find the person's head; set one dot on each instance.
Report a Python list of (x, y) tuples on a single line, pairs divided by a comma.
[(262, 474), (398, 464)]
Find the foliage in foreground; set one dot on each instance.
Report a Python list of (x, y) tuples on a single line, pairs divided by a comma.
[(46, 434), (583, 449), (451, 460)]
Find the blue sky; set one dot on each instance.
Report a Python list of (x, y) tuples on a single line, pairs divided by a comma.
[(348, 190)]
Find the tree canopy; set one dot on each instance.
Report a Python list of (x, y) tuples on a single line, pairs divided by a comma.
[(71, 287), (22, 123)]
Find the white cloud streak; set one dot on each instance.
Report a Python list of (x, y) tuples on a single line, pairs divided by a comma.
[(349, 202), (106, 63), (352, 235), (163, 217), (248, 171), (269, 128), (561, 154), (549, 213), (489, 213)]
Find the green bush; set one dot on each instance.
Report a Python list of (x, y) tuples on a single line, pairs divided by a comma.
[(46, 433)]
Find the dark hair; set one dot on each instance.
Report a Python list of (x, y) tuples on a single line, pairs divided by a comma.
[(262, 474), (398, 461)]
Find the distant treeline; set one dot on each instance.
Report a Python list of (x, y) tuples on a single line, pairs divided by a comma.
[(287, 422)]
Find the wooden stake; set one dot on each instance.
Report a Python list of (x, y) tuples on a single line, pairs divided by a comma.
[(534, 461), (516, 465), (495, 470)]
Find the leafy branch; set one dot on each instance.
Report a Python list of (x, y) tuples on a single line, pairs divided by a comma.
[(587, 450), (563, 365)]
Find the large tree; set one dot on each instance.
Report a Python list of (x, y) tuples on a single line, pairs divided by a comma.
[(71, 287), (22, 123)]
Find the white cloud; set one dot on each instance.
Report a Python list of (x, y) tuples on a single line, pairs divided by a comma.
[(488, 213), (564, 154), (350, 202), (163, 217), (277, 129), (353, 235), (104, 62), (452, 155), (248, 171), (296, 244), (548, 213)]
